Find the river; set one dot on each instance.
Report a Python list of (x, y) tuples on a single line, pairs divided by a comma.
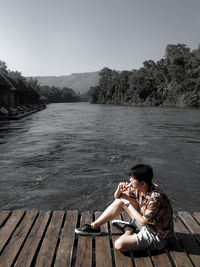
[(73, 155)]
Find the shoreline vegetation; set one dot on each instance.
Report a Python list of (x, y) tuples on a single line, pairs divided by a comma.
[(172, 81), (46, 94)]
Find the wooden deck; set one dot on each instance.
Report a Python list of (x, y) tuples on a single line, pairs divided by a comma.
[(19, 116), (45, 238)]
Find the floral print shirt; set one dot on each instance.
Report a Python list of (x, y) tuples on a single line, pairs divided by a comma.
[(156, 208)]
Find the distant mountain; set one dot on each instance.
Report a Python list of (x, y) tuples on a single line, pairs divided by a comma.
[(79, 82)]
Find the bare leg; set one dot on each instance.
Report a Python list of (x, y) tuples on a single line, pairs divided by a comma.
[(112, 211), (126, 242)]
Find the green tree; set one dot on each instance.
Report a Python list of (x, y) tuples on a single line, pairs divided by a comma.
[(3, 67), (33, 82), (173, 80), (124, 84), (69, 95), (94, 94), (105, 84), (176, 58)]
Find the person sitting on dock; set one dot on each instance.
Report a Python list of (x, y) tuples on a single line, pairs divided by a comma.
[(147, 205)]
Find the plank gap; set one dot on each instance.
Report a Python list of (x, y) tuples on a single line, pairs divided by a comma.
[(111, 245), (170, 258), (6, 217), (93, 252), (13, 230), (58, 241), (151, 258), (11, 251), (93, 245), (47, 249), (75, 242), (41, 240), (20, 249), (112, 251), (184, 249)]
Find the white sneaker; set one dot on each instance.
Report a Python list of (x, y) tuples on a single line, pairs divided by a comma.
[(119, 224)]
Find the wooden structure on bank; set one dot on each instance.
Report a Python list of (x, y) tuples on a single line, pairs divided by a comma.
[(47, 238), (16, 92)]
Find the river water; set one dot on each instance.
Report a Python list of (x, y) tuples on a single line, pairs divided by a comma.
[(73, 155)]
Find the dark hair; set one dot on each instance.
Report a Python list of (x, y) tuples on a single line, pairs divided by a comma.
[(143, 173)]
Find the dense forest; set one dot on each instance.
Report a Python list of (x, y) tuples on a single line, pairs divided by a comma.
[(172, 81)]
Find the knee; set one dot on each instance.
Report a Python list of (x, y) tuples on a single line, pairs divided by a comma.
[(118, 245), (119, 202)]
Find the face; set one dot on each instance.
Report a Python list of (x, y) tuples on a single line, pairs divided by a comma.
[(135, 183)]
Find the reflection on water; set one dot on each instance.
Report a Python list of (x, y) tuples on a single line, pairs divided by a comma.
[(72, 156)]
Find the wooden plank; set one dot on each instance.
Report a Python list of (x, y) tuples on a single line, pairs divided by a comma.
[(103, 251), (84, 252), (177, 252), (188, 241), (141, 258), (47, 250), (160, 259), (3, 216), (29, 249), (10, 252), (7, 230), (196, 215), (190, 223), (102, 246), (84, 247), (65, 249)]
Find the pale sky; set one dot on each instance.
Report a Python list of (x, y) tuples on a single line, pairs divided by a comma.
[(60, 37)]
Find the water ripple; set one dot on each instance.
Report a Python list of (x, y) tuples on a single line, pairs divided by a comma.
[(72, 156)]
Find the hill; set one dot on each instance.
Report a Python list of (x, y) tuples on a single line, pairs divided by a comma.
[(79, 82)]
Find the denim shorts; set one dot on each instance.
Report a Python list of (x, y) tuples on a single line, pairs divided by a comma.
[(147, 240)]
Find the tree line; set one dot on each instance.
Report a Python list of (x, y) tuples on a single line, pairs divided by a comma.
[(55, 94), (174, 80), (52, 94)]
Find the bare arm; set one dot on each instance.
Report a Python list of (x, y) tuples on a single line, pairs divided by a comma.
[(135, 214), (120, 189), (120, 193)]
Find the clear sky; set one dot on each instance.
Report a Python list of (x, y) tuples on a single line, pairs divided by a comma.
[(60, 37)]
